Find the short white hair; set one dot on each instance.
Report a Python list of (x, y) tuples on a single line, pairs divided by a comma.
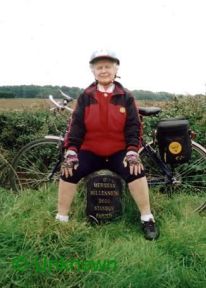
[(93, 64)]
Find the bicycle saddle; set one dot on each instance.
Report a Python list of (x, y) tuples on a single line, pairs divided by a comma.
[(148, 111)]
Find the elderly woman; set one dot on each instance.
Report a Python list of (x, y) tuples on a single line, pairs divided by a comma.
[(105, 133)]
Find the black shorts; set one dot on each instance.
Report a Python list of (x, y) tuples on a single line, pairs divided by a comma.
[(90, 162)]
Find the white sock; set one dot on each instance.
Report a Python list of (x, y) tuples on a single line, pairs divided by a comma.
[(147, 217), (62, 218)]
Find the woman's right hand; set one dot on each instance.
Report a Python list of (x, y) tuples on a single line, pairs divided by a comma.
[(70, 162), (134, 162)]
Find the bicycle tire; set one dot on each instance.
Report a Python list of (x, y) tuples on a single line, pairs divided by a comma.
[(190, 177), (34, 163), (5, 168)]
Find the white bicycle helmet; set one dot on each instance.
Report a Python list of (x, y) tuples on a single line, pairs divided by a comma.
[(103, 53)]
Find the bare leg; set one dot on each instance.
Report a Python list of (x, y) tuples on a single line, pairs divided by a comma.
[(66, 195), (140, 193)]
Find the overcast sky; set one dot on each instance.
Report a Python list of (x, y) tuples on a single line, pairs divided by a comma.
[(161, 43)]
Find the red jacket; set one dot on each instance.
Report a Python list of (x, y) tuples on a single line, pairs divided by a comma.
[(104, 125)]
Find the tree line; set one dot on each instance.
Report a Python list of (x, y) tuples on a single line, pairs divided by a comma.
[(34, 91)]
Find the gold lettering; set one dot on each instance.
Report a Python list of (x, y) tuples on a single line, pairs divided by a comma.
[(98, 215), (104, 193), (104, 185), (103, 208), (104, 201)]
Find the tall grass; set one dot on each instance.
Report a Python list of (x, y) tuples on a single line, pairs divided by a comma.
[(29, 235)]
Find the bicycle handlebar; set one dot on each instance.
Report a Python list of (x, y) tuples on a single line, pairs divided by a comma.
[(69, 98), (62, 107)]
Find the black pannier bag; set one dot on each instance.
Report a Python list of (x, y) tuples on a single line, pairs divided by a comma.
[(174, 141)]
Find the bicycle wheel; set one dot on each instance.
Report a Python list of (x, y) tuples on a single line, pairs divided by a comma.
[(35, 162), (5, 168), (189, 177)]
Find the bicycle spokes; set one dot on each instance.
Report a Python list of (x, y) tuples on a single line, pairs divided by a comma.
[(189, 177)]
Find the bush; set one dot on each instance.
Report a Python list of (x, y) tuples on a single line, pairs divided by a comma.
[(193, 108), (19, 128)]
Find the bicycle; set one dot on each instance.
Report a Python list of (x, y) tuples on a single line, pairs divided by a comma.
[(5, 168), (38, 162)]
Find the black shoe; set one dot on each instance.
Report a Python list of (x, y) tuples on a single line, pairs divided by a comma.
[(150, 230)]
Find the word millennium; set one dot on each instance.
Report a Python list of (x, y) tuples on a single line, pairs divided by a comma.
[(104, 193)]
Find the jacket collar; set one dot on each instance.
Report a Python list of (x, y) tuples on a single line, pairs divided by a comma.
[(91, 90), (109, 89)]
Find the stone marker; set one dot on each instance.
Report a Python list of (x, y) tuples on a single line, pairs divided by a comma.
[(104, 193)]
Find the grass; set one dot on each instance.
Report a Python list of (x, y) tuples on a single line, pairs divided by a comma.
[(29, 236), (18, 104)]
